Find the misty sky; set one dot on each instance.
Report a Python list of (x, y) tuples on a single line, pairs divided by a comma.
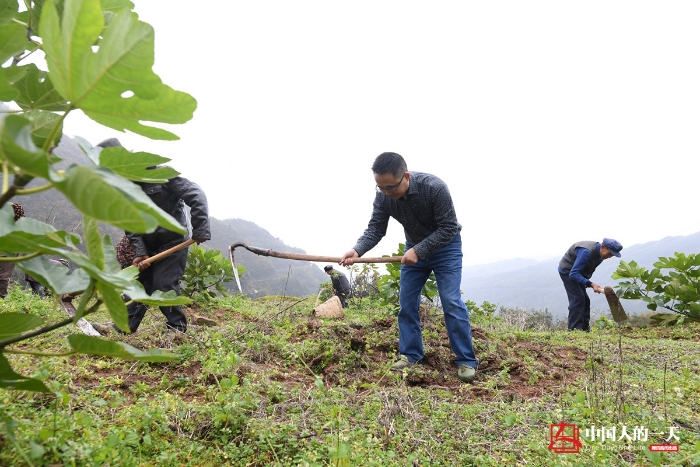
[(551, 122)]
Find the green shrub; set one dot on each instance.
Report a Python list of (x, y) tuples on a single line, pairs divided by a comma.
[(673, 284), (92, 58), (389, 284), (207, 270)]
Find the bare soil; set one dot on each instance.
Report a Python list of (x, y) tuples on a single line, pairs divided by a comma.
[(510, 368)]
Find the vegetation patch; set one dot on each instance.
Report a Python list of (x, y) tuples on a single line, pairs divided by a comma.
[(272, 385)]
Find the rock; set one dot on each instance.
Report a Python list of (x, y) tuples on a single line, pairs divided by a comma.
[(203, 321)]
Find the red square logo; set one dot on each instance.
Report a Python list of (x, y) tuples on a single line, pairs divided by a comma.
[(564, 438)]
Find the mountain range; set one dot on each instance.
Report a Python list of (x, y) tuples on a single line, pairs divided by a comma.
[(263, 275), (525, 283), (532, 284)]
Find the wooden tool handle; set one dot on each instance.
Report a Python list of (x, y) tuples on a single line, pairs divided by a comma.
[(305, 257), (169, 251), (332, 259)]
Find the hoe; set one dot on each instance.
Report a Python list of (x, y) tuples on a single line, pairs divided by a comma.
[(298, 256), (84, 325)]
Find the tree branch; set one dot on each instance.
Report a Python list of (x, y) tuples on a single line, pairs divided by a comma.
[(46, 329), (16, 259), (31, 191)]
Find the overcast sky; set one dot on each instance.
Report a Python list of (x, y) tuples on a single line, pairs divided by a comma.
[(551, 122)]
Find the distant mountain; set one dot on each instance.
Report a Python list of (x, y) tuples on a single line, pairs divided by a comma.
[(536, 284), (263, 276), (499, 267)]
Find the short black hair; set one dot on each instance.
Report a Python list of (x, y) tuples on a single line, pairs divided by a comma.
[(328, 267), (389, 162)]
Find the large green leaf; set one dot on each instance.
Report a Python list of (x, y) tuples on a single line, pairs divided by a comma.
[(133, 165), (110, 257), (115, 305), (99, 193), (93, 242), (17, 146), (11, 380), (55, 276), (115, 85), (97, 346), (117, 6), (43, 126), (36, 90), (7, 92), (25, 236), (8, 10), (29, 235), (137, 293), (15, 324), (13, 41), (8, 77), (120, 280), (88, 149)]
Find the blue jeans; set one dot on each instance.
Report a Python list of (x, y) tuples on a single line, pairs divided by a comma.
[(446, 263)]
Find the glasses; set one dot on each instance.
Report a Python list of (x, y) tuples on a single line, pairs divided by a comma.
[(390, 189)]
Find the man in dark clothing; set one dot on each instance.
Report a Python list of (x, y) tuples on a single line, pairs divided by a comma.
[(35, 285), (341, 285), (7, 268), (37, 288), (422, 204), (575, 269), (165, 274)]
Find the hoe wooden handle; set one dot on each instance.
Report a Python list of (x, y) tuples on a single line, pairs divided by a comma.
[(169, 251), (304, 257)]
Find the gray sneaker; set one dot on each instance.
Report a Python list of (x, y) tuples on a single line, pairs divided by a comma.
[(401, 364), (466, 374), (101, 328)]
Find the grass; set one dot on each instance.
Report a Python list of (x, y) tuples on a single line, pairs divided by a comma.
[(271, 385)]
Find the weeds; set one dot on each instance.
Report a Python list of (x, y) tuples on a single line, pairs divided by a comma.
[(272, 386)]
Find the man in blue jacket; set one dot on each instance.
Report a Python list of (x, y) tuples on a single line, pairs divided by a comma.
[(575, 269)]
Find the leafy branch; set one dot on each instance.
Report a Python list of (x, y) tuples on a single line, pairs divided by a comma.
[(207, 270), (389, 284), (673, 284), (98, 61)]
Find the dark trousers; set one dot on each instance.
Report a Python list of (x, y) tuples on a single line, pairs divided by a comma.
[(579, 304), (36, 288), (343, 298), (6, 270), (163, 275)]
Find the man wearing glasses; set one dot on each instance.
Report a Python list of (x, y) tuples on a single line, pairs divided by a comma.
[(423, 206)]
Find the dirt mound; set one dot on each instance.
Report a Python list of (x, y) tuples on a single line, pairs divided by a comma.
[(520, 369), (355, 354)]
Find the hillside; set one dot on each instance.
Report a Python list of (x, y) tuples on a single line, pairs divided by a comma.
[(270, 385), (513, 283), (263, 276), (532, 284)]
